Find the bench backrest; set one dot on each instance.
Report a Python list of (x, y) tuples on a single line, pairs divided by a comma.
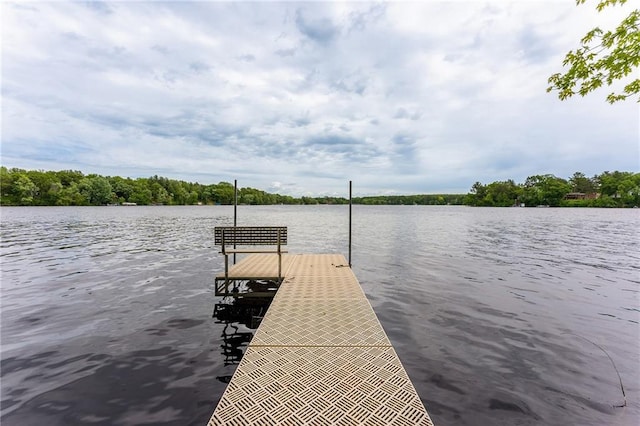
[(251, 235)]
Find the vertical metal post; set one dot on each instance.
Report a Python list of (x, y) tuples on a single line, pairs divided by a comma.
[(226, 264), (235, 213), (279, 259), (350, 205)]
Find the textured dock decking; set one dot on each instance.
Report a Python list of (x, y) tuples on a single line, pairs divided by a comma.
[(258, 266), (319, 357)]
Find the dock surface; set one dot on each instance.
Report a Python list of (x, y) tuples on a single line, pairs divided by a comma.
[(320, 355)]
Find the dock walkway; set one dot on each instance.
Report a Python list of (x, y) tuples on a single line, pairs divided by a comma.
[(320, 355)]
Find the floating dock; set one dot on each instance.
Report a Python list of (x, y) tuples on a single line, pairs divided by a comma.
[(319, 357)]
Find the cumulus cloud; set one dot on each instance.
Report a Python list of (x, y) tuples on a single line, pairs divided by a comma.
[(399, 97)]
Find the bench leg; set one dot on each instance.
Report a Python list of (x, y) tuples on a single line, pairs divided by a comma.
[(279, 268), (226, 272)]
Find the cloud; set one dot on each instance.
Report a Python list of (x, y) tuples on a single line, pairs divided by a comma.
[(402, 113), (406, 97), (285, 52), (320, 30), (199, 67)]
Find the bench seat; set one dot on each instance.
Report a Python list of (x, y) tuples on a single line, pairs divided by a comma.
[(231, 251), (257, 236)]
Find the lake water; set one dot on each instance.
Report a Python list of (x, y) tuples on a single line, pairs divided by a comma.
[(500, 316)]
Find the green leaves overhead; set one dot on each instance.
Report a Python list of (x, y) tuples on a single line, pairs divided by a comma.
[(602, 58)]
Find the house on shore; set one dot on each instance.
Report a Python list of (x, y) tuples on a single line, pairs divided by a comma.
[(581, 196)]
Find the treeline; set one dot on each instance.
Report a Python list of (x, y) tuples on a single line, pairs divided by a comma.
[(20, 187), (608, 189), (424, 200), (72, 188)]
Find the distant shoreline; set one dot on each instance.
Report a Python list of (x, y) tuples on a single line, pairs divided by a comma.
[(326, 204), (73, 188)]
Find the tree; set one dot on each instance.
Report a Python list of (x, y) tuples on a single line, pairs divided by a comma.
[(192, 198), (67, 177), (623, 188), (503, 194), (178, 193), (159, 195), (629, 190), (96, 189), (309, 200), (48, 186), (24, 189), (545, 190), (224, 193), (141, 194), (477, 195), (580, 183), (603, 57), (71, 196), (6, 186), (610, 182), (122, 188), (496, 194)]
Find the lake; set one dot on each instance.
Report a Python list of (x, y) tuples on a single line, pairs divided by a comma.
[(500, 316)]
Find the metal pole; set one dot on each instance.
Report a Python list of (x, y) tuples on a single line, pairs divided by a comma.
[(350, 204), (235, 213)]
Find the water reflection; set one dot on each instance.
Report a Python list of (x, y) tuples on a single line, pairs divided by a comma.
[(240, 317), (162, 384)]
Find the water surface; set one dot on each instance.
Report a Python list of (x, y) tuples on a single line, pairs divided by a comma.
[(500, 316)]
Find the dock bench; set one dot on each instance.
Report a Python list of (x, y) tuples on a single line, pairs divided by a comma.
[(252, 239)]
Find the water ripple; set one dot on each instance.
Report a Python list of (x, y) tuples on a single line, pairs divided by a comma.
[(106, 311)]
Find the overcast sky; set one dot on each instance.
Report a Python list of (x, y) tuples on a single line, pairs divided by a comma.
[(299, 98)]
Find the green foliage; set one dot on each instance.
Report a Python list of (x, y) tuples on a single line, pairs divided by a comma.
[(605, 201), (71, 196), (546, 190), (96, 190), (24, 189), (122, 188), (609, 189), (577, 203), (222, 193), (72, 188), (425, 199), (623, 187), (603, 57), (496, 194), (580, 183), (141, 193), (6, 185)]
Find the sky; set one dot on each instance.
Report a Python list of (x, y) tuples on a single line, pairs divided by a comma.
[(298, 98)]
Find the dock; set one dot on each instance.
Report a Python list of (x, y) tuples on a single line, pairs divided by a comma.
[(320, 356)]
